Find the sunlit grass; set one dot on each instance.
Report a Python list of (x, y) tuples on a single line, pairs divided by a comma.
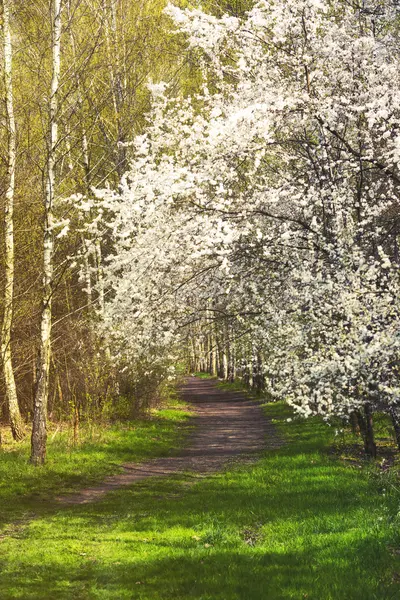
[(26, 490), (205, 376), (297, 524)]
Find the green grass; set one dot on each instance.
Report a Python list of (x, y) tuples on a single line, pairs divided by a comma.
[(297, 524), (26, 491), (239, 386), (201, 375)]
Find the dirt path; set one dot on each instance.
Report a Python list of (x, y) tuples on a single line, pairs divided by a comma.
[(228, 427)]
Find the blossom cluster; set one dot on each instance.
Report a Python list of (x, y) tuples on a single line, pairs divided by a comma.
[(263, 211)]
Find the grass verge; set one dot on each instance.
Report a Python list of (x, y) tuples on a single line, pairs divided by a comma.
[(26, 491)]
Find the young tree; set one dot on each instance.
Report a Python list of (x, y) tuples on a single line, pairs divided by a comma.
[(16, 421), (39, 429)]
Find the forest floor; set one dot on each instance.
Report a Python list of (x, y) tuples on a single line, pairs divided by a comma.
[(297, 521)]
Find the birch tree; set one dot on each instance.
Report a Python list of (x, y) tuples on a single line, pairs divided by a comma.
[(6, 350), (39, 431)]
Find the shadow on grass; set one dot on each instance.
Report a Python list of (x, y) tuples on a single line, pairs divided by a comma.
[(168, 542), (26, 491), (216, 575), (297, 524)]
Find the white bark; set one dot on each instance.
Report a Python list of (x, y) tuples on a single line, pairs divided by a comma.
[(109, 8), (100, 289), (233, 360), (8, 298), (39, 433), (85, 159), (84, 139), (100, 277), (225, 371), (87, 273), (214, 365), (251, 366)]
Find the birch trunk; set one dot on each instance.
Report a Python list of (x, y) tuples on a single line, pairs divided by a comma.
[(39, 430), (100, 277), (251, 366), (214, 365), (225, 364), (112, 47), (211, 355), (87, 273), (85, 158), (233, 361), (17, 427), (88, 182)]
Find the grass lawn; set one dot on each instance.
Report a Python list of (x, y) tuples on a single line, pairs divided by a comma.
[(298, 524)]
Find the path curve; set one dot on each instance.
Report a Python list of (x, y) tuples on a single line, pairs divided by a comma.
[(228, 426)]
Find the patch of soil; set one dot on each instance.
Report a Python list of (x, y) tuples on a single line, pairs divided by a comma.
[(228, 428)]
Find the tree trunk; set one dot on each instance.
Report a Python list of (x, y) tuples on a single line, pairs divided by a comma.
[(112, 47), (203, 354), (87, 274), (233, 362), (213, 357), (217, 359), (361, 424), (225, 371), (39, 430), (394, 415), (16, 422), (85, 158), (260, 373), (251, 367), (370, 446), (354, 423), (209, 361)]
